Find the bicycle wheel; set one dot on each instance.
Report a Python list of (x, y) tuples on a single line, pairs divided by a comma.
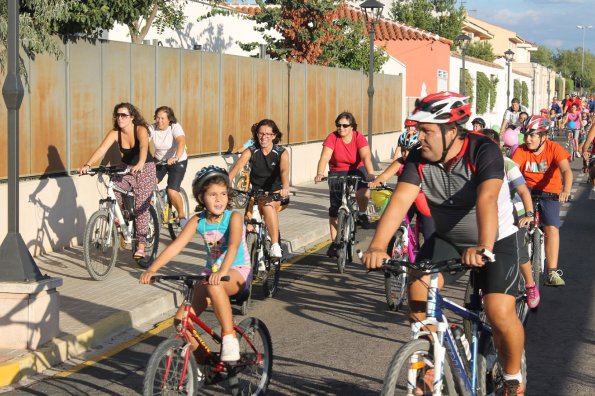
[(351, 240), (152, 243), (537, 259), (395, 286), (240, 200), (166, 367), (342, 236), (270, 276), (411, 371), (173, 223), (100, 245), (489, 371), (270, 284), (251, 375)]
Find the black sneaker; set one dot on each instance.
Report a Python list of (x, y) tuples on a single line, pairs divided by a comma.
[(362, 220), (332, 250)]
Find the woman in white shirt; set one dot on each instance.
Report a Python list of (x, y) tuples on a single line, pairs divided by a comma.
[(170, 144)]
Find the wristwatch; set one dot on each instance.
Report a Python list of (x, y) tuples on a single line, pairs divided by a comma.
[(529, 214)]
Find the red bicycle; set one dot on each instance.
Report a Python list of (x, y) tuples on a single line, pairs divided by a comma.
[(173, 369)]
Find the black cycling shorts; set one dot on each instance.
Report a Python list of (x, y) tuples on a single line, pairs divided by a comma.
[(175, 174), (335, 185), (501, 276)]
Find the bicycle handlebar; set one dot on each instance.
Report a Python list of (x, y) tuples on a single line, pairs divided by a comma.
[(382, 187), (110, 170), (159, 278), (341, 177)]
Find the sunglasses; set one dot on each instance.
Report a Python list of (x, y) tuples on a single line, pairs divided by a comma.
[(343, 125), (122, 115), (265, 134)]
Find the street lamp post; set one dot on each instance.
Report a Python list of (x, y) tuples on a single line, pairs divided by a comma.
[(509, 56), (464, 42), (373, 10), (583, 28), (533, 103)]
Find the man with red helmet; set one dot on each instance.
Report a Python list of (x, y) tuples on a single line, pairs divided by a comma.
[(461, 175), (546, 168)]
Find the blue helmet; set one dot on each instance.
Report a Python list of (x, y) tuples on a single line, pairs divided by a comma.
[(408, 140), (207, 173)]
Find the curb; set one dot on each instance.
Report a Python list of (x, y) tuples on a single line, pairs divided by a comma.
[(68, 346)]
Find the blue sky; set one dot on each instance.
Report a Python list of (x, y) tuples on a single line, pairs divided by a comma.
[(548, 22)]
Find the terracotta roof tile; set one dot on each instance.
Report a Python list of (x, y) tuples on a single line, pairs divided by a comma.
[(385, 30)]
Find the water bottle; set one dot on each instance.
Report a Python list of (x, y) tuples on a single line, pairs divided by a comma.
[(461, 340)]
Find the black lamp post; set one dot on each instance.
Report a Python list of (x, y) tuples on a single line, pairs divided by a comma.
[(373, 10), (464, 42), (508, 55), (16, 263)]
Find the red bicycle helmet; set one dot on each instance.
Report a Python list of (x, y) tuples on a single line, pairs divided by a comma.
[(410, 123), (442, 108), (536, 124)]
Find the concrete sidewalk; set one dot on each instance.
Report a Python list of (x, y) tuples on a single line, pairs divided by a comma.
[(92, 312)]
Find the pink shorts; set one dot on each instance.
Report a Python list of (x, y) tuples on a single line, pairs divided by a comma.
[(244, 270)]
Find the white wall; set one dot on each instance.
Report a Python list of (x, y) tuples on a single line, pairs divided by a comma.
[(492, 117), (62, 206), (219, 33)]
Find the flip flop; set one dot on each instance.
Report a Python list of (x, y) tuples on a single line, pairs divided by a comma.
[(139, 254)]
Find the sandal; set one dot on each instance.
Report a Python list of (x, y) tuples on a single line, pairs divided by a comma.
[(139, 254)]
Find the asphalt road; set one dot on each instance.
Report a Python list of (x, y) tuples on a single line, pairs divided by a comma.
[(332, 334)]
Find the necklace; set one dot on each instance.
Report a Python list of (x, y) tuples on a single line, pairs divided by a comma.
[(213, 245)]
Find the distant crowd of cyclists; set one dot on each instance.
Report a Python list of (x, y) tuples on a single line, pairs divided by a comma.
[(473, 200)]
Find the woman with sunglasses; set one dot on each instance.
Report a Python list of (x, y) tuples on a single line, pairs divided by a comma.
[(269, 172), (130, 131), (346, 152)]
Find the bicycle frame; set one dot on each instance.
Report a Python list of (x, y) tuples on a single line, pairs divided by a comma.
[(187, 327), (115, 212), (435, 317)]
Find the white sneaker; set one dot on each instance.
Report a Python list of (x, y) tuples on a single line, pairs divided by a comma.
[(183, 222), (230, 349), (592, 194), (276, 251)]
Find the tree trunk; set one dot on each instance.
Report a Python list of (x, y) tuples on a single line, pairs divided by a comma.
[(138, 33)]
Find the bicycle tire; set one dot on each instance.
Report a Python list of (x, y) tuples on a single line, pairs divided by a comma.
[(164, 370), (489, 371), (270, 285), (95, 241), (250, 376), (536, 256), (152, 243), (173, 223), (418, 352), (342, 250), (395, 287), (240, 200), (270, 279), (351, 241)]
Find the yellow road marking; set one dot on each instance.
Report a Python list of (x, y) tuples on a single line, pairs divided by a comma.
[(139, 338), (302, 256), (167, 323)]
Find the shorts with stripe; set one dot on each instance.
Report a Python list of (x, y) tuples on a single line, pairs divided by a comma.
[(501, 276)]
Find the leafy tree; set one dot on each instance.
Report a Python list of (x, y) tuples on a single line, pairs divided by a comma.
[(524, 94), (483, 93), (516, 90), (435, 16), (468, 84), (481, 50), (352, 49), (90, 17), (37, 23), (543, 56), (311, 33), (493, 92), (305, 26)]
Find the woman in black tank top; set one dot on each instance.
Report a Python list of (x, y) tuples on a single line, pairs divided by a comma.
[(131, 133), (269, 171)]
